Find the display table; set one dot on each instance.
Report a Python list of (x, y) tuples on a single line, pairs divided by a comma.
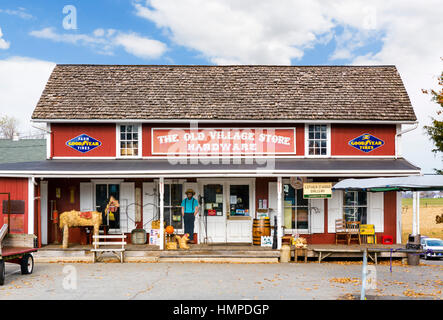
[(301, 251)]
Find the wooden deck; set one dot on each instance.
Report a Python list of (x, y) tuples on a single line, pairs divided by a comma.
[(223, 252)]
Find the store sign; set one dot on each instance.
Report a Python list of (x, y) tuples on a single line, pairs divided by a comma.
[(83, 143), (222, 141), (313, 190), (366, 142)]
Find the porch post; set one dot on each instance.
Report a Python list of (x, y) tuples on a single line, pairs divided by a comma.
[(31, 199), (414, 212), (279, 211), (162, 229), (418, 213)]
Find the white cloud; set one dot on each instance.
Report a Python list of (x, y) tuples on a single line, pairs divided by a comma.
[(140, 46), (3, 43), (105, 41), (277, 32), (21, 89), (20, 12)]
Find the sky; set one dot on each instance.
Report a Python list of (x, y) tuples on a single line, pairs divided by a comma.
[(36, 35)]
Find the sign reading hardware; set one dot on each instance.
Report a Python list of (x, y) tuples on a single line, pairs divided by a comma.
[(366, 142), (83, 143), (317, 190), (223, 141)]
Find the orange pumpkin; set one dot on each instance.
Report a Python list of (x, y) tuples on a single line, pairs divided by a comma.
[(169, 229)]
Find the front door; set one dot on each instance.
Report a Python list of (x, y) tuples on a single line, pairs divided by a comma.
[(213, 213)]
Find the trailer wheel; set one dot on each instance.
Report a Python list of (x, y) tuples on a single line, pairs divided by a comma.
[(27, 263), (2, 272)]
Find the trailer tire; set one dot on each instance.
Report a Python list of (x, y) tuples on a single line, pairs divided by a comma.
[(27, 264), (2, 272)]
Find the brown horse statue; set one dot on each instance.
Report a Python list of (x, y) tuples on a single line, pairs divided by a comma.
[(76, 218)]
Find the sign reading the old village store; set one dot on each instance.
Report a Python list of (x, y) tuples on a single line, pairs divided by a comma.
[(223, 141)]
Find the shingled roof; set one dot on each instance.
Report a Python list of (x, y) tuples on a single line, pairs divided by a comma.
[(225, 93)]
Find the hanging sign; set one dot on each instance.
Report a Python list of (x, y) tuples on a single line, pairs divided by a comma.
[(366, 142), (297, 182), (223, 141), (83, 143), (313, 190)]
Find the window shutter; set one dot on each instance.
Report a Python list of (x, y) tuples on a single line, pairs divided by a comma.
[(375, 210), (272, 200), (86, 197), (317, 214), (335, 210), (149, 204), (127, 206)]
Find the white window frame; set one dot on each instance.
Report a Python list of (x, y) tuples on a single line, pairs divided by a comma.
[(328, 141), (140, 140), (287, 230), (344, 206)]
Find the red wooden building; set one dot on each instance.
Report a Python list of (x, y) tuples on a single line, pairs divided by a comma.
[(241, 136)]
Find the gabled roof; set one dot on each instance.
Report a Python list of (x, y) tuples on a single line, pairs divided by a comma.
[(24, 150), (152, 92)]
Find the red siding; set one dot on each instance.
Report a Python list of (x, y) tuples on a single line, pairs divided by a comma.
[(18, 187), (341, 134), (105, 133)]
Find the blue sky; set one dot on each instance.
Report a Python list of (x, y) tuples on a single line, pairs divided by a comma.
[(296, 32)]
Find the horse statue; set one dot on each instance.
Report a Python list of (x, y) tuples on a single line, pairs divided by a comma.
[(76, 218)]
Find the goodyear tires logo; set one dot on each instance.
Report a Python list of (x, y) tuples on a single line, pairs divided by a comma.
[(83, 143), (366, 142)]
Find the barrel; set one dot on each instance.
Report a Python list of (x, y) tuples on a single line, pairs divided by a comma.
[(260, 227)]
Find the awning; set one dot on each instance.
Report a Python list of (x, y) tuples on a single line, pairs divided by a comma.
[(211, 167), (413, 183)]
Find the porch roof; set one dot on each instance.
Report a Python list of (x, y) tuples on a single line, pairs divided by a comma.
[(211, 167)]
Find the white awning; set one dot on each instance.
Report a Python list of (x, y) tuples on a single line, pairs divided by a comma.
[(411, 183)]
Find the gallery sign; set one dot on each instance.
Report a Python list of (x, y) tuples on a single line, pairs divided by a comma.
[(314, 190), (83, 143), (223, 141), (366, 142)]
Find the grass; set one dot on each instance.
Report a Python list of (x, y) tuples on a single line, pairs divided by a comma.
[(429, 209), (424, 202)]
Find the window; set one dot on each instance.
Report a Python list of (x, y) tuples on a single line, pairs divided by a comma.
[(355, 206), (129, 141), (173, 197), (102, 194), (317, 141), (295, 208), (239, 200)]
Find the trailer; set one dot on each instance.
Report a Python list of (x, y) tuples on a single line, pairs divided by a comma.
[(16, 248)]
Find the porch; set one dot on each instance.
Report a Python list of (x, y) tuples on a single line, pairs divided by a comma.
[(218, 253)]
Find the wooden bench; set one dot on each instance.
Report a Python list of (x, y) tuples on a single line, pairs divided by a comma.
[(100, 247), (324, 253)]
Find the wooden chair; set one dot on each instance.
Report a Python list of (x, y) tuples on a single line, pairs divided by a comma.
[(353, 228), (341, 230)]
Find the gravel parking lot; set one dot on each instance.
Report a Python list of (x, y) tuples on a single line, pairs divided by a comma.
[(335, 280)]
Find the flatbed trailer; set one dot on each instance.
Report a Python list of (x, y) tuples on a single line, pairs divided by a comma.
[(16, 248)]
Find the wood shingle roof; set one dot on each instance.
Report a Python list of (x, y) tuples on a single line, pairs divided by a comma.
[(150, 92)]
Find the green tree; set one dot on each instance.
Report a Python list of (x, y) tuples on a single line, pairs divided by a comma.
[(435, 131)]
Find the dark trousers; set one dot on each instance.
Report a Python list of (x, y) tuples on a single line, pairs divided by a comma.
[(189, 220)]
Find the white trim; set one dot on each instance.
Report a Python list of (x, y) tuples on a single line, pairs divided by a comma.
[(31, 198), (328, 141), (44, 211), (48, 140), (398, 213), (219, 121), (223, 157), (279, 211), (117, 142), (221, 153), (162, 209)]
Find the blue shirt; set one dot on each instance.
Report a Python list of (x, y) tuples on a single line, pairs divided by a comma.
[(189, 205)]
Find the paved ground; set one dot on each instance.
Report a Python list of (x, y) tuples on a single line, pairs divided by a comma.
[(219, 281)]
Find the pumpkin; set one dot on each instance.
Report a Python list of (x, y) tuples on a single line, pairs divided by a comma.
[(169, 229)]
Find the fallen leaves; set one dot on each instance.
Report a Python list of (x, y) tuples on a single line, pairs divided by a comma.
[(345, 280)]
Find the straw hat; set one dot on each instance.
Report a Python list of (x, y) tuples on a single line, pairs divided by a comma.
[(190, 191)]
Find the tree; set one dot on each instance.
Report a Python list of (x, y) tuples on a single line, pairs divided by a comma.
[(8, 127), (435, 131)]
